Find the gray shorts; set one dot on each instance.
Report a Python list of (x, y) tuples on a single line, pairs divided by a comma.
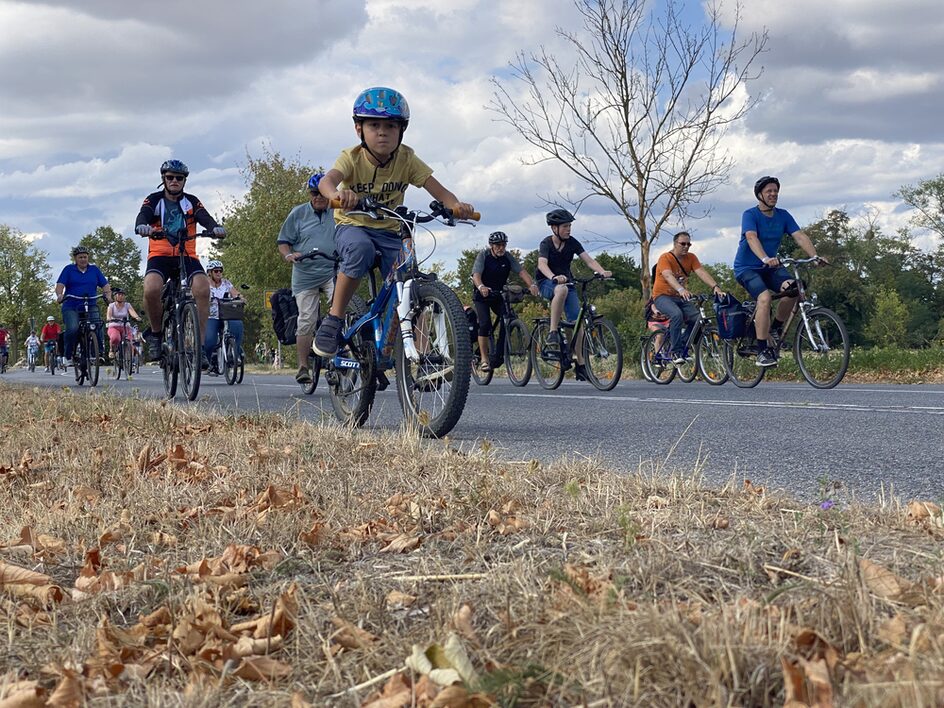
[(309, 304), (358, 246)]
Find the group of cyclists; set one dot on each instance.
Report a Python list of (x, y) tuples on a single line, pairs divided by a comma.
[(382, 167)]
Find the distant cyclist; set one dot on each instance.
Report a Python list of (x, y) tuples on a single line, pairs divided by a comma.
[(49, 335), (308, 226), (756, 266), (117, 311), (80, 278), (555, 254), (490, 273), (4, 345), (381, 167), (173, 211), (220, 289), (670, 290), (32, 345)]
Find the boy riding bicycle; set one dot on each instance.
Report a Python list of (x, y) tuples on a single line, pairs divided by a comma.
[(381, 167), (49, 336)]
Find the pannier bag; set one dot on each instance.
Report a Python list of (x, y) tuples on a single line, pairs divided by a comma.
[(732, 317), (232, 309), (284, 315), (473, 322), (515, 293)]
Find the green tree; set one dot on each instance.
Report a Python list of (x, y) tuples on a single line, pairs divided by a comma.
[(249, 251), (119, 258), (25, 295), (889, 321), (927, 199)]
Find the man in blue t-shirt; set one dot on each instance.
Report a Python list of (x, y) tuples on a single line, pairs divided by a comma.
[(81, 279), (756, 266)]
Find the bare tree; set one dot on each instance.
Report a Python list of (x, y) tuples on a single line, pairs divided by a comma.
[(639, 113)]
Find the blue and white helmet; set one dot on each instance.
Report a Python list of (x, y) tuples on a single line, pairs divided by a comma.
[(314, 181), (382, 102), (214, 264), (175, 166)]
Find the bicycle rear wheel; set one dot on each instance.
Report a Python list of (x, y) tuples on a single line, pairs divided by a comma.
[(433, 390), (517, 356), (191, 353), (709, 357), (603, 354), (482, 378), (352, 388), (241, 367), (739, 359), (658, 362), (545, 362), (821, 349)]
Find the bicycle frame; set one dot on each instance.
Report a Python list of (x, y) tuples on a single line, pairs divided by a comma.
[(587, 310), (694, 330)]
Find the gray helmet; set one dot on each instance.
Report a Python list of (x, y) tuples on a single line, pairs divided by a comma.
[(77, 250), (763, 182), (497, 237), (558, 217)]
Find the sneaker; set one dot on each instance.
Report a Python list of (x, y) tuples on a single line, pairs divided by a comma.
[(553, 339), (767, 358), (580, 372), (678, 358), (485, 367), (153, 346), (303, 376), (430, 375), (204, 361), (326, 338)]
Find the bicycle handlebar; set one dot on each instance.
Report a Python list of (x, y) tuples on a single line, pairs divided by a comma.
[(787, 260), (375, 210), (83, 297), (315, 253), (158, 235), (584, 281)]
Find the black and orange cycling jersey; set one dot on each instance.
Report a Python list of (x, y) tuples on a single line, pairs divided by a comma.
[(152, 214)]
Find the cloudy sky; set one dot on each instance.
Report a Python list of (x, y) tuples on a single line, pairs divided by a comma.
[(97, 94)]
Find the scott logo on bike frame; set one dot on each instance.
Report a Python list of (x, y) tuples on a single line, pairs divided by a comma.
[(347, 364)]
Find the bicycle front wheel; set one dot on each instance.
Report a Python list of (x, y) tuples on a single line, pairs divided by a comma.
[(352, 388), (709, 357), (127, 359), (482, 378), (169, 359), (603, 354), (92, 357), (739, 358), (433, 390), (545, 361), (517, 357), (314, 370), (230, 361), (191, 351), (658, 362), (80, 360), (821, 348), (117, 363)]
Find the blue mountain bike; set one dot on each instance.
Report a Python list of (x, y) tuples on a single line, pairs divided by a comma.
[(414, 324)]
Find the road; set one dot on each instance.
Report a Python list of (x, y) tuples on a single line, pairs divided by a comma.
[(782, 435)]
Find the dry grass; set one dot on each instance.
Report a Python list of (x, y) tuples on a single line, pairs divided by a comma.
[(339, 551)]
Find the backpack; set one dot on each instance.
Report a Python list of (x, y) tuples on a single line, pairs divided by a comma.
[(732, 317), (284, 315)]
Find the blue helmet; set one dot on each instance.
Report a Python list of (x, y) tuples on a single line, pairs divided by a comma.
[(382, 102), (175, 166), (314, 180)]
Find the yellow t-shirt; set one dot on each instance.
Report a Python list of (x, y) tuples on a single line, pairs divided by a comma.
[(385, 184)]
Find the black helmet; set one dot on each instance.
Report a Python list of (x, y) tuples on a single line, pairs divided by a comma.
[(175, 166), (558, 217), (497, 237), (763, 182), (76, 250), (117, 291)]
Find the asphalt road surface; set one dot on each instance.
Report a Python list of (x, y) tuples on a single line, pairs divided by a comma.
[(866, 438)]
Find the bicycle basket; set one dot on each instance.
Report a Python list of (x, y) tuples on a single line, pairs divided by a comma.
[(232, 309), (515, 293)]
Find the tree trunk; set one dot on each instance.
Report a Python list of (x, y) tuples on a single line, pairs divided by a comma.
[(644, 278)]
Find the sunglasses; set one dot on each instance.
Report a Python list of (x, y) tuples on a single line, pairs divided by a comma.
[(217, 270), (684, 243), (174, 178)]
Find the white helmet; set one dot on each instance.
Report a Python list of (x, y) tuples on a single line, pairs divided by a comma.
[(212, 265), (50, 319)]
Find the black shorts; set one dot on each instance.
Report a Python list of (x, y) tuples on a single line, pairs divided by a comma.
[(166, 267)]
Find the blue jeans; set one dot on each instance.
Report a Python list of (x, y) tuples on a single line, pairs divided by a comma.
[(679, 313), (70, 319), (212, 339), (571, 304)]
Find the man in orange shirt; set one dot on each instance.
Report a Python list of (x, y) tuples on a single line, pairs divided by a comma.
[(670, 289)]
